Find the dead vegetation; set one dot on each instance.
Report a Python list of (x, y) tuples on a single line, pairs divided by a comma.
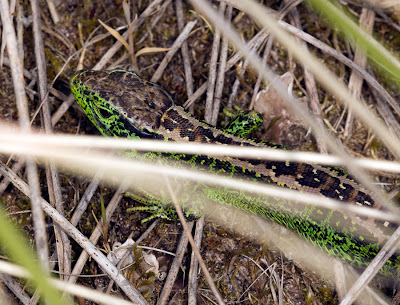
[(173, 44)]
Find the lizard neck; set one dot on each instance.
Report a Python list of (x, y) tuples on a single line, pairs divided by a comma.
[(178, 125)]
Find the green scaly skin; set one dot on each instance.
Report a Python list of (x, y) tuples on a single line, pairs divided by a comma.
[(121, 104)]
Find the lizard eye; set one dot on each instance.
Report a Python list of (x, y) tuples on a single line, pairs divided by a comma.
[(104, 113)]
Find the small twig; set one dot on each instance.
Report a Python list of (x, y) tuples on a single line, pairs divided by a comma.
[(53, 11), (185, 226), (236, 84), (373, 268), (371, 292), (61, 37), (367, 18), (212, 69), (312, 92), (221, 73), (147, 232), (16, 289), (232, 61), (387, 19), (20, 31), (194, 263), (175, 46), (16, 167), (155, 21), (96, 234), (62, 109), (77, 290), (185, 53), (386, 113), (175, 267), (126, 6), (119, 61), (263, 272), (80, 209), (267, 49)]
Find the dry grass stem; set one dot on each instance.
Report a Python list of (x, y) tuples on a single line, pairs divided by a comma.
[(185, 52), (367, 19), (212, 72), (187, 228), (194, 264), (175, 267), (220, 48), (94, 237), (14, 137), (174, 48), (21, 101), (78, 290)]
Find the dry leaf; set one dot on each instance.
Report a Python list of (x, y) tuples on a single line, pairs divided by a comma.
[(282, 126), (115, 34), (151, 50)]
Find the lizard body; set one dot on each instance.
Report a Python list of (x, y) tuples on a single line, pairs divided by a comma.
[(121, 104)]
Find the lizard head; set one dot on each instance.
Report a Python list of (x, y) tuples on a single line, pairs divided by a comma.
[(120, 103)]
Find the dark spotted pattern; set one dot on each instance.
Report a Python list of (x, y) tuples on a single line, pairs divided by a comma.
[(245, 123), (169, 124), (206, 132), (181, 124), (174, 121)]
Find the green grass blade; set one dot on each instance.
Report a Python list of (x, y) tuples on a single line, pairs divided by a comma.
[(17, 248), (385, 61)]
